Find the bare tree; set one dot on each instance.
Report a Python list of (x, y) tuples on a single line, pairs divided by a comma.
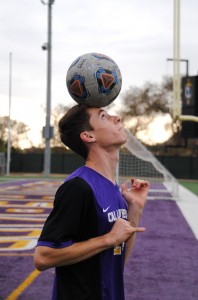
[(18, 132), (140, 106), (57, 113)]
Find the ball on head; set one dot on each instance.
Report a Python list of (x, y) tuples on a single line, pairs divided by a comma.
[(94, 79)]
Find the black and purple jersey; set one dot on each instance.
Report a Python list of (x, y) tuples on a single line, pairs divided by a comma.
[(86, 205)]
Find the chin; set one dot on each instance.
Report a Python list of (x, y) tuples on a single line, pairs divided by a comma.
[(123, 141), (124, 137)]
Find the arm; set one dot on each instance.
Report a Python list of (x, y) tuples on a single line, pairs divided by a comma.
[(46, 257), (136, 199)]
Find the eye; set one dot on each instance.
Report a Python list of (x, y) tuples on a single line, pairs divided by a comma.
[(103, 116)]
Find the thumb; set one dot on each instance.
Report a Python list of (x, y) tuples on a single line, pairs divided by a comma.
[(139, 229), (123, 187)]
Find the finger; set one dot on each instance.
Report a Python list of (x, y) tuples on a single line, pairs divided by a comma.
[(135, 182), (145, 183), (138, 183), (124, 187), (139, 229)]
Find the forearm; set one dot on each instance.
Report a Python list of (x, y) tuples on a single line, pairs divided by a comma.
[(136, 198), (46, 257), (133, 218)]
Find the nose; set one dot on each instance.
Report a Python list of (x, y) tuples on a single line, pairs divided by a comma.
[(117, 119)]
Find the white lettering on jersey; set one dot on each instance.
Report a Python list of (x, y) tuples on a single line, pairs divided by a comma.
[(119, 213)]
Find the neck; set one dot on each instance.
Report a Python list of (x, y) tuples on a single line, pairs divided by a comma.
[(104, 163)]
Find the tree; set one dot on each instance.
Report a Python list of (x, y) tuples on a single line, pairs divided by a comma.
[(18, 132), (141, 106), (57, 113), (55, 141)]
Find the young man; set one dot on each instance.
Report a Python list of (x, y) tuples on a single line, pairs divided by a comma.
[(90, 232)]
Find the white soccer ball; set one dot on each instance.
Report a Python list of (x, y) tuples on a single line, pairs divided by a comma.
[(94, 79)]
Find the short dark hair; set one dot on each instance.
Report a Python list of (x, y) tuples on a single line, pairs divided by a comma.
[(75, 121)]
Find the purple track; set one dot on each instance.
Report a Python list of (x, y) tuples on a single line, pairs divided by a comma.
[(164, 261), (162, 266)]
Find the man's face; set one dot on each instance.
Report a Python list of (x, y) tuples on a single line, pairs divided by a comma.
[(108, 129)]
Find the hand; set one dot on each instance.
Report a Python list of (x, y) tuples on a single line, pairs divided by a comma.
[(122, 231), (138, 192)]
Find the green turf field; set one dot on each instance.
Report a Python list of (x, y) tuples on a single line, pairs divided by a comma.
[(30, 176), (190, 185)]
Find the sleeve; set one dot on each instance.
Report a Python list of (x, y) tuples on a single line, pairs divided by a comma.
[(72, 202)]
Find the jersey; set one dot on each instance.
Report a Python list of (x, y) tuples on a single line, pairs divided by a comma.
[(86, 206)]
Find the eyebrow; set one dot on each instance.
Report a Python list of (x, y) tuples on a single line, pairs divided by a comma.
[(101, 111)]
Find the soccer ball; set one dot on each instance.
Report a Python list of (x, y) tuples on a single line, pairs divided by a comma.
[(94, 79)]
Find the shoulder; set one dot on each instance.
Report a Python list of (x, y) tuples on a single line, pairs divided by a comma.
[(75, 187), (75, 182)]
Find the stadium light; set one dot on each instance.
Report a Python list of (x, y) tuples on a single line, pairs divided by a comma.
[(48, 130)]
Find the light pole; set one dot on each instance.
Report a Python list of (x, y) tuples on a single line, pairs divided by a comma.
[(9, 120), (182, 60), (48, 130)]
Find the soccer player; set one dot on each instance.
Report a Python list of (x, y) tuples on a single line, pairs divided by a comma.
[(90, 232)]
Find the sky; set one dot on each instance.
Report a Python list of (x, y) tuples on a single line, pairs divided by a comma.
[(137, 35)]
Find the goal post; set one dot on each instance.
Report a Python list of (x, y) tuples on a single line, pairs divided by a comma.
[(177, 101), (188, 118), (177, 104)]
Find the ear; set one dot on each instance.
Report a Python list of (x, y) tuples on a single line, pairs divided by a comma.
[(87, 137)]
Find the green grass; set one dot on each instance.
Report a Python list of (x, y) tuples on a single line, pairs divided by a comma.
[(17, 176), (190, 185)]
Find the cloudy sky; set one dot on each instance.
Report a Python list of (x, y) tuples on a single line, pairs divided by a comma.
[(138, 35)]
